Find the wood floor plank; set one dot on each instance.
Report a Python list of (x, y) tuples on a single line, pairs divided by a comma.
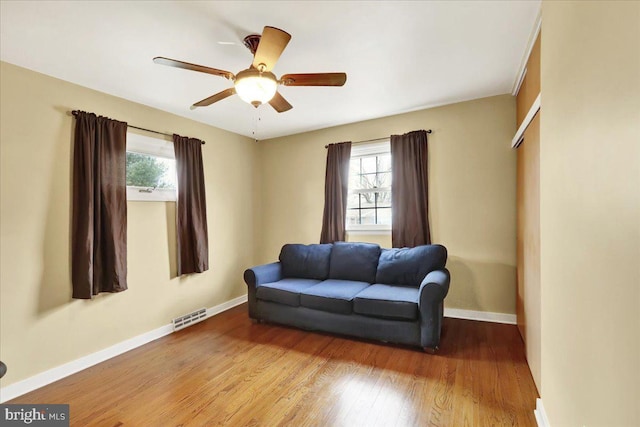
[(228, 371)]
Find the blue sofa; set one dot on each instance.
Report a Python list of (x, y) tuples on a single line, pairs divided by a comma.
[(358, 289)]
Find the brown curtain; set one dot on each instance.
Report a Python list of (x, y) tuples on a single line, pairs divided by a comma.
[(409, 190), (99, 231), (336, 188), (193, 237)]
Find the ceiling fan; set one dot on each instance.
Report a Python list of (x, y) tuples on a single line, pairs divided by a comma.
[(257, 84)]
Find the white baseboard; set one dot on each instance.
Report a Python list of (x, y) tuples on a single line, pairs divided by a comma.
[(541, 415), (226, 305), (484, 316), (47, 377)]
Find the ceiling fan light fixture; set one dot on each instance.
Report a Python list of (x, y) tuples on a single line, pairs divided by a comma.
[(255, 87)]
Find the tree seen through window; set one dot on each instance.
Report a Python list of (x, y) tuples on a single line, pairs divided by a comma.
[(144, 170)]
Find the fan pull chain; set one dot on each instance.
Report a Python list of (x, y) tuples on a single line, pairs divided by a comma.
[(256, 122)]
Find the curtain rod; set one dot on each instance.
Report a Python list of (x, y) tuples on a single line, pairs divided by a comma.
[(75, 113), (374, 140)]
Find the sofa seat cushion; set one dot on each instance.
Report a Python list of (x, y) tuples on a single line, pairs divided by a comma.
[(306, 261), (354, 261), (408, 266), (332, 295), (394, 302), (285, 291)]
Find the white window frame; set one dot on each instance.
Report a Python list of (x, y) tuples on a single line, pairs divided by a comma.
[(370, 149), (156, 147)]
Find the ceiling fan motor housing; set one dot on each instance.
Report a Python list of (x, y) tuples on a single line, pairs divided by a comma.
[(251, 42)]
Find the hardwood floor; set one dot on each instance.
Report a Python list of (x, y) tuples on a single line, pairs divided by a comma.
[(229, 371)]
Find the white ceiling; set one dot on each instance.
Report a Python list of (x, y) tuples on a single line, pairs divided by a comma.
[(399, 56)]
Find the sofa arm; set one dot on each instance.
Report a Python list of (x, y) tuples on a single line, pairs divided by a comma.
[(256, 276), (434, 287), (433, 290), (265, 273)]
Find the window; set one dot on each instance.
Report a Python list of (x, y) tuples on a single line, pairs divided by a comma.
[(369, 200), (151, 169)]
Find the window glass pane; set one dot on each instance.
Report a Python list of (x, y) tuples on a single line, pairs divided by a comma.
[(368, 164), (353, 216), (383, 180), (384, 199), (384, 163), (358, 182), (384, 216), (354, 167), (354, 180), (352, 201), (368, 200), (368, 181), (144, 170), (368, 216)]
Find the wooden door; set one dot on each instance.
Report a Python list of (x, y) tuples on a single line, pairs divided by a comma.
[(528, 217), (528, 231)]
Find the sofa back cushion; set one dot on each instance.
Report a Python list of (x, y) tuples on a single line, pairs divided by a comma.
[(354, 261), (408, 266), (306, 261)]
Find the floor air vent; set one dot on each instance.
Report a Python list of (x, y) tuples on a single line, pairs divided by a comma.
[(189, 319)]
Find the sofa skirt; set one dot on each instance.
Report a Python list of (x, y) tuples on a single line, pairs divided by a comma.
[(387, 330)]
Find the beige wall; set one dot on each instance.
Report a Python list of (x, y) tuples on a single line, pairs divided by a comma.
[(472, 193), (40, 325), (590, 213), (383, 238)]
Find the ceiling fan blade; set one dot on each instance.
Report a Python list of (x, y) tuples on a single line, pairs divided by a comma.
[(272, 43), (215, 98), (279, 103), (318, 79), (193, 67)]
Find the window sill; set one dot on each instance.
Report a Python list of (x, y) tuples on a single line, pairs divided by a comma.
[(370, 231), (137, 194)]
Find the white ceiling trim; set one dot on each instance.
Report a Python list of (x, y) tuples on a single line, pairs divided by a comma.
[(525, 58)]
